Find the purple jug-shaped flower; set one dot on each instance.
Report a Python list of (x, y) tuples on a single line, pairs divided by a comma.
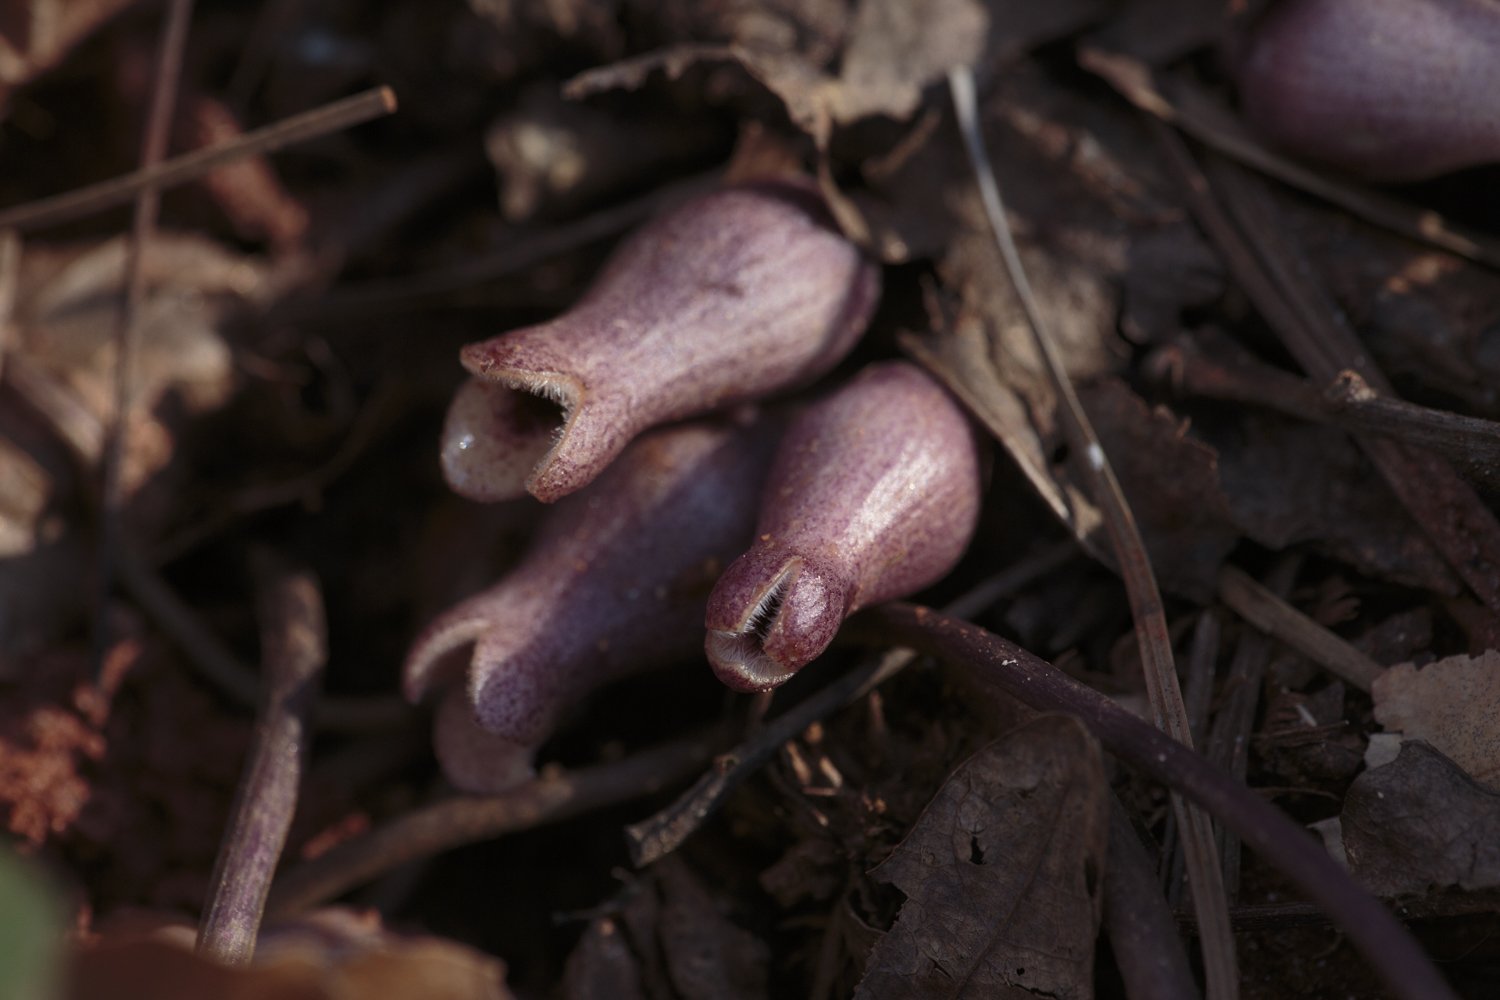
[(614, 583), (735, 295), (873, 495), (1389, 90)]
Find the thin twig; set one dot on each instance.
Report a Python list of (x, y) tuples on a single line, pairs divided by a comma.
[(1211, 366), (1471, 441), (661, 834), (314, 124), (133, 296), (294, 649), (991, 661), (523, 251), (462, 820), (1273, 616), (1204, 872)]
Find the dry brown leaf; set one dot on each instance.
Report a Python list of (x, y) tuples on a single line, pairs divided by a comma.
[(35, 35), (1290, 483), (896, 56), (42, 563), (899, 47), (895, 49), (330, 955), (1172, 483), (961, 359), (1002, 875), (815, 29), (602, 966), (1453, 704), (554, 157), (1420, 822), (66, 313), (1171, 270), (668, 938), (1170, 478), (707, 956)]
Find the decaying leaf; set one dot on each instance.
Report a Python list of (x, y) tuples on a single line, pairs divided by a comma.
[(1453, 704), (1290, 483), (554, 157), (325, 956), (961, 359), (35, 35), (895, 53), (1172, 483), (41, 561), (708, 957), (669, 938), (898, 47), (66, 316), (1171, 269), (1419, 823), (602, 966), (1002, 875)]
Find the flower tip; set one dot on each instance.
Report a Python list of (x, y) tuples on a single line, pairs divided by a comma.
[(759, 634), (517, 694), (428, 662), (740, 661), (493, 438), (473, 759)]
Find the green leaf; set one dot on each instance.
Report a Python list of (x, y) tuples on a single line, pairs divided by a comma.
[(30, 932)]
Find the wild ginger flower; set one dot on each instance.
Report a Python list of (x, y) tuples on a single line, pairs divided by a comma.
[(738, 294), (614, 583), (874, 494)]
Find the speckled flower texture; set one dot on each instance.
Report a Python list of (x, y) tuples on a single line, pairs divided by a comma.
[(874, 494), (738, 294), (1390, 90), (614, 583)]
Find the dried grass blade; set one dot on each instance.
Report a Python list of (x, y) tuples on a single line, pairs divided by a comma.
[(333, 117), (133, 285), (1199, 848)]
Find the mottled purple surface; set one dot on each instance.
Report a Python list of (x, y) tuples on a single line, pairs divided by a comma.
[(474, 759), (1391, 90), (874, 494), (735, 295), (615, 582)]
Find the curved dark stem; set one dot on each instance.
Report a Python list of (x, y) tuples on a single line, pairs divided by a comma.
[(295, 646), (996, 662), (469, 819)]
